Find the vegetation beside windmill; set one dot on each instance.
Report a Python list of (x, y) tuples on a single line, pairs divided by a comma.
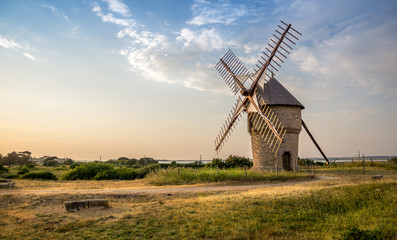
[(345, 204)]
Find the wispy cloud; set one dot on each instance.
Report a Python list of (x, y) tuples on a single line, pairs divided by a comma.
[(55, 11), (29, 56), (222, 12), (206, 39), (357, 53), (6, 42), (118, 7), (110, 18), (345, 52), (176, 59)]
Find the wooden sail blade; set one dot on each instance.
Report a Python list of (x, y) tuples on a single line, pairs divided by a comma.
[(233, 71), (229, 124), (274, 52), (255, 104), (265, 121)]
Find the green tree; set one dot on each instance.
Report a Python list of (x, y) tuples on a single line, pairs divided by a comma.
[(131, 161), (14, 158), (234, 161), (217, 162), (146, 161)]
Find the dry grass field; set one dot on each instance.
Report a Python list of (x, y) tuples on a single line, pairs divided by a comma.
[(340, 203)]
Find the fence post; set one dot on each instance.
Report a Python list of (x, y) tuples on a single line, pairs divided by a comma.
[(245, 169), (313, 172), (217, 172), (363, 164), (277, 170), (178, 170), (195, 171), (305, 164)]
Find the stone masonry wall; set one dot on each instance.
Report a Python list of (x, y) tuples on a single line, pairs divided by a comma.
[(263, 157)]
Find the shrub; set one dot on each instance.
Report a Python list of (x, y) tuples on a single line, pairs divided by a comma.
[(111, 174), (11, 176), (87, 171), (74, 165), (23, 170), (393, 160), (136, 165), (40, 175), (142, 172), (51, 163), (3, 169), (233, 161), (216, 163), (117, 174), (31, 165), (127, 174)]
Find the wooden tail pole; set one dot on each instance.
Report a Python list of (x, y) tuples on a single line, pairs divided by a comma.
[(314, 141)]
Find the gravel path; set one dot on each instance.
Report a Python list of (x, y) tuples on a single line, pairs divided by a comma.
[(165, 190)]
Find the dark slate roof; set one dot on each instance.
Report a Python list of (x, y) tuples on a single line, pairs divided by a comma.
[(275, 94)]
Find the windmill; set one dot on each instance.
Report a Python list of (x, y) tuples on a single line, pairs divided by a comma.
[(263, 98)]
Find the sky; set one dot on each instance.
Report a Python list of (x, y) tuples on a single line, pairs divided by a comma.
[(111, 78)]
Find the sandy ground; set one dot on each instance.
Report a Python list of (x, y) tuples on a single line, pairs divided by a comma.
[(144, 190)]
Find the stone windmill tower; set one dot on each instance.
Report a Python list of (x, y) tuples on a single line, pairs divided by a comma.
[(288, 109), (274, 115)]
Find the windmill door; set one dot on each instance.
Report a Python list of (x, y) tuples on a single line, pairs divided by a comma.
[(287, 161)]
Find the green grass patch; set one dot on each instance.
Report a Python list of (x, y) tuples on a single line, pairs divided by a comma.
[(180, 176), (364, 211)]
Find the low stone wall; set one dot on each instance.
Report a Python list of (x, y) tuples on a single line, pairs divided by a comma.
[(72, 206), (6, 183)]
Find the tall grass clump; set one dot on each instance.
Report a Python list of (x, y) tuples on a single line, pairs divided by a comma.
[(39, 176), (368, 163), (177, 176), (107, 171)]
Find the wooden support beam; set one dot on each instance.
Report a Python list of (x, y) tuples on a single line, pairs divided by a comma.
[(314, 141)]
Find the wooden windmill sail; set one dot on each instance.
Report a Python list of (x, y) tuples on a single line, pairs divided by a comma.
[(250, 86)]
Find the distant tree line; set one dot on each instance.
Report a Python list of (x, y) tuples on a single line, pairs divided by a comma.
[(132, 162), (16, 158)]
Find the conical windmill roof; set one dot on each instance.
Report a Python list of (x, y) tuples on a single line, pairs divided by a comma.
[(276, 94)]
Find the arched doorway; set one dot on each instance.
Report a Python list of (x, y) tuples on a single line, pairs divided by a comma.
[(287, 161)]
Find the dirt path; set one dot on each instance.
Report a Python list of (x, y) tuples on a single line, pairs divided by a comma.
[(163, 190)]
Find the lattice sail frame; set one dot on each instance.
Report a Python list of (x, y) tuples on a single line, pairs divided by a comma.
[(237, 76)]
